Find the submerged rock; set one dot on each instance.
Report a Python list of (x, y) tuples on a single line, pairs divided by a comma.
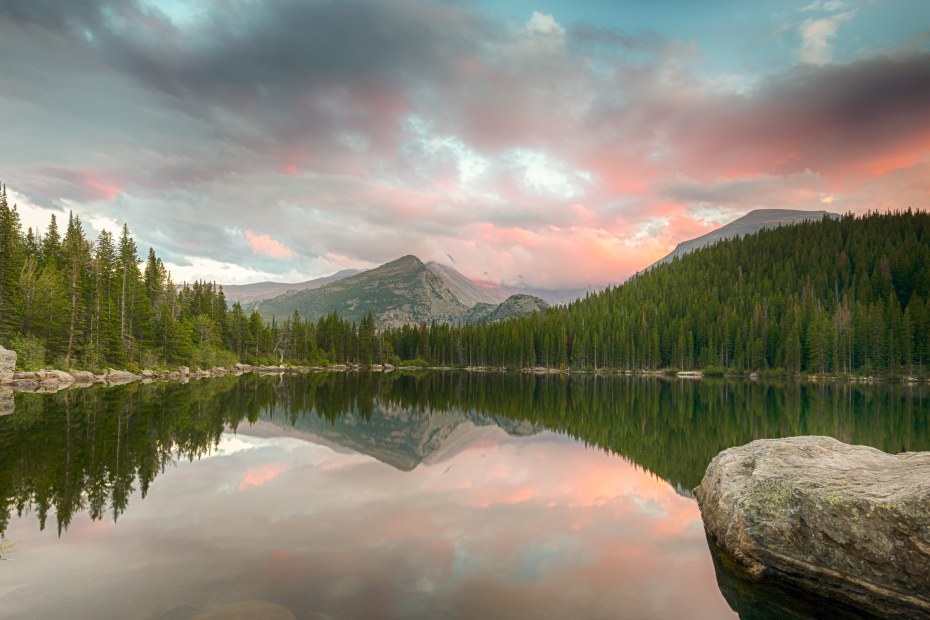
[(7, 404), (845, 523)]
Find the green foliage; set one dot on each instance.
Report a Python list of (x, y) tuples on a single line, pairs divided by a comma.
[(30, 352), (95, 304), (418, 362), (847, 296)]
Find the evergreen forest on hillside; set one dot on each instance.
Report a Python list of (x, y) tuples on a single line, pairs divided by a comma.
[(67, 301), (835, 296)]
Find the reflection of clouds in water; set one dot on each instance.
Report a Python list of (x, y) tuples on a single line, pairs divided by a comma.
[(538, 527)]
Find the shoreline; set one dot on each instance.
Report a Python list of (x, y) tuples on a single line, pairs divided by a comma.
[(51, 381)]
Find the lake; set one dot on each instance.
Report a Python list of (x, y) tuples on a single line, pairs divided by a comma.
[(433, 495)]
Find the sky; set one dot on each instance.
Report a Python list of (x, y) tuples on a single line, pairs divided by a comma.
[(551, 144)]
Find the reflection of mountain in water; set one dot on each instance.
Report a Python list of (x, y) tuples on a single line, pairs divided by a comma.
[(401, 437), (92, 449)]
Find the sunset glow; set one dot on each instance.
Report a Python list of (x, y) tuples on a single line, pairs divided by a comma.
[(553, 145)]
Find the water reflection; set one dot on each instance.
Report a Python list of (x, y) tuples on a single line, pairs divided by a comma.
[(445, 494)]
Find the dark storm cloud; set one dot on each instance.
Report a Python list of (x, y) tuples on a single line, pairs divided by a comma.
[(830, 118)]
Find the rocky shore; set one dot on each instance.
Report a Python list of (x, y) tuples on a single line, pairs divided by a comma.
[(841, 523), (48, 381)]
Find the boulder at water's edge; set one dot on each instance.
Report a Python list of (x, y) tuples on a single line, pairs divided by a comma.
[(848, 523), (7, 363)]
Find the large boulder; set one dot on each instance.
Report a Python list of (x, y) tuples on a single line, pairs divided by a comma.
[(845, 523), (7, 363)]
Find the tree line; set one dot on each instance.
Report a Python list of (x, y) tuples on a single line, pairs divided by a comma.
[(848, 295), (69, 301)]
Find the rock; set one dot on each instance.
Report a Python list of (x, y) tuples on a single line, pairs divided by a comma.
[(147, 374), (184, 370), (7, 363), (58, 375), (82, 376), (7, 405), (845, 523), (121, 376)]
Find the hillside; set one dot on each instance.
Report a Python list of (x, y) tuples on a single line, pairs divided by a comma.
[(471, 292), (250, 294), (399, 292), (513, 306), (404, 291), (752, 222), (848, 295), (468, 291)]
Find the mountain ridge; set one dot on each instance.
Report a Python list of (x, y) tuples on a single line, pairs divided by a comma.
[(752, 222), (403, 291), (257, 291)]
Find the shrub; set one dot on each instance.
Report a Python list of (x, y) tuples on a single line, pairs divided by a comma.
[(414, 362), (30, 352)]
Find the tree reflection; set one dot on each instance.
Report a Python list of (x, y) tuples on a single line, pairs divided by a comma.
[(91, 449)]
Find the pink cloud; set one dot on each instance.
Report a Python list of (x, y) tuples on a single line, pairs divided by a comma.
[(263, 244)]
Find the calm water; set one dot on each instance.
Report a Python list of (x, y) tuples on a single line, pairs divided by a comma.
[(446, 495)]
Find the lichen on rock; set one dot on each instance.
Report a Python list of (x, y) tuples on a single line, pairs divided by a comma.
[(850, 523)]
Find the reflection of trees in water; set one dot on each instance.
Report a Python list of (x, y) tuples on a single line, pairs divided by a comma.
[(89, 449)]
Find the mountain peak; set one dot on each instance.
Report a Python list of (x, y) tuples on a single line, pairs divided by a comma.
[(407, 260)]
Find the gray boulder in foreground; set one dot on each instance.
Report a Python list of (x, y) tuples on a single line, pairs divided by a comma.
[(848, 523)]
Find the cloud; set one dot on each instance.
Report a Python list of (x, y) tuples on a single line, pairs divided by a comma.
[(263, 244), (816, 35), (541, 150)]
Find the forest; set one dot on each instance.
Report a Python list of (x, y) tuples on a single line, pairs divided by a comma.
[(838, 296), (67, 301)]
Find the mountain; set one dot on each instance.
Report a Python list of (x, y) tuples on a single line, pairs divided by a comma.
[(471, 292), (752, 222), (401, 292), (515, 305), (468, 291), (248, 294), (836, 295)]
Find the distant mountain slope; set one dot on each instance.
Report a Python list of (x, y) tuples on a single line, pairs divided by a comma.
[(471, 292), (515, 305), (400, 292), (468, 291), (249, 294), (752, 222)]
